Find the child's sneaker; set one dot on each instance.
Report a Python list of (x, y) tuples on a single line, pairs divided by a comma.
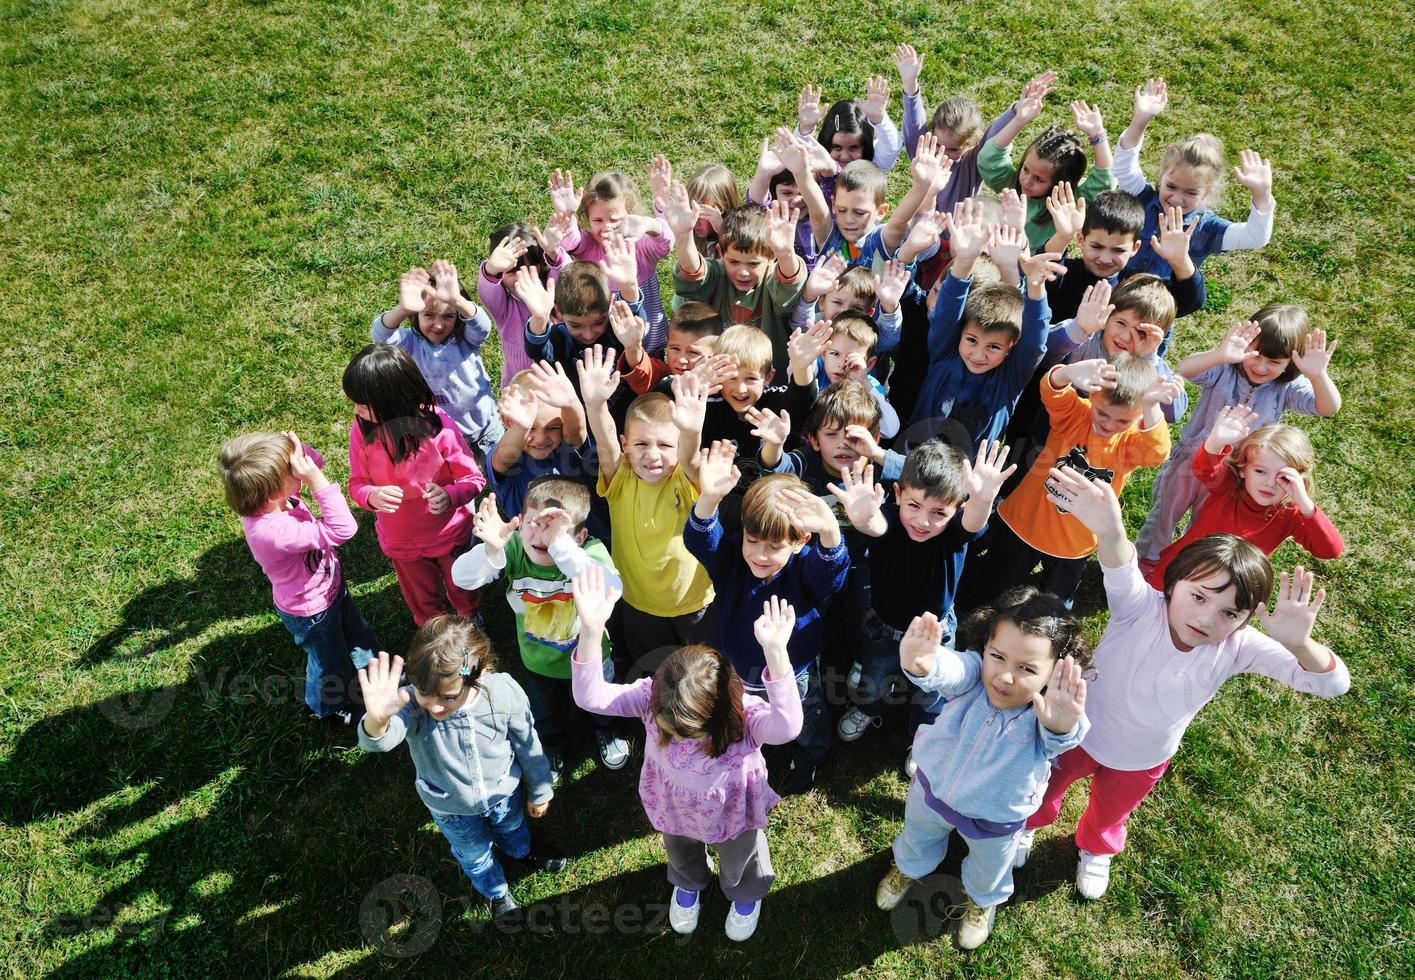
[(854, 723), (613, 750), (1024, 848), (976, 926), (543, 857), (684, 918), (857, 670), (892, 888), (1092, 874), (505, 913), (910, 766), (741, 925), (557, 766)]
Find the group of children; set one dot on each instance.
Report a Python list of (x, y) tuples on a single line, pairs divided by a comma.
[(707, 513)]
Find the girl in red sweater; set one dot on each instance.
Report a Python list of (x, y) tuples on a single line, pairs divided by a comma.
[(1260, 489)]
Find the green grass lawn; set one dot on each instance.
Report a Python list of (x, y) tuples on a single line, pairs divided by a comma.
[(201, 206)]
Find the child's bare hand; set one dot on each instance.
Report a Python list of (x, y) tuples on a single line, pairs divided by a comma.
[(679, 210), (1092, 502), (717, 470), (768, 426), (553, 385), (969, 233), (413, 287), (1068, 212), (526, 286), (1065, 700), (1254, 173), (488, 526), (1006, 245), (910, 63), (619, 265), (518, 407), (563, 196), (715, 370), (385, 500), (809, 111), (767, 160), (506, 255), (876, 99), (1234, 422), (554, 232), (594, 600), (690, 395), (824, 276), (862, 441), (805, 346), (1162, 391), (1149, 340), (537, 810), (807, 511), (438, 499), (1238, 347), (1041, 268), (626, 326), (598, 379), (1172, 241), (1295, 612), (1090, 376), (552, 522), (984, 477), (792, 151), (930, 167), (781, 229), (773, 630), (1095, 307), (924, 233), (449, 286), (1296, 488), (1151, 98), (1037, 87), (890, 288), (1012, 210), (660, 179), (383, 698), (1088, 119), (858, 493), (302, 465), (919, 644), (1315, 355)]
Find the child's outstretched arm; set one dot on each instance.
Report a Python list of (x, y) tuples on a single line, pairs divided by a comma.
[(598, 379), (620, 266), (930, 665), (690, 394), (930, 170), (768, 166), (983, 479), (1151, 98), (875, 108), (794, 153), (682, 214), (526, 286), (1313, 360), (518, 409), (773, 631), (804, 349), (1068, 216), (414, 290), (717, 476), (595, 596), (485, 562), (1233, 350), (1291, 620), (1256, 174), (862, 499), (1094, 504), (383, 700), (781, 237), (910, 63)]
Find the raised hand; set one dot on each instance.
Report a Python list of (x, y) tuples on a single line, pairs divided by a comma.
[(767, 160), (1295, 612), (919, 644), (1012, 211), (302, 465), (1029, 106), (769, 426), (924, 233), (1296, 488), (984, 477), (1149, 340), (1095, 307), (1088, 119), (518, 407), (1092, 502), (1006, 245), (718, 474), (773, 630), (792, 151), (1041, 268), (598, 379), (930, 167), (690, 395), (385, 500), (1162, 391), (490, 528), (910, 63), (1235, 348), (805, 346), (554, 232), (506, 255), (438, 499), (858, 493), (1097, 374), (1068, 212), (626, 326), (552, 522), (781, 229), (968, 234), (413, 289), (1065, 700), (890, 288), (660, 179), (1037, 88), (563, 196), (860, 439), (1234, 422), (807, 511), (1151, 98), (1172, 241), (1254, 173), (679, 210), (449, 288), (594, 599), (553, 385), (809, 111), (876, 99), (619, 265), (383, 698), (526, 286), (1315, 355), (715, 370), (823, 277)]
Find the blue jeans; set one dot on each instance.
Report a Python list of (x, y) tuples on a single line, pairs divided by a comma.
[(336, 643), (471, 837), (880, 663), (553, 706)]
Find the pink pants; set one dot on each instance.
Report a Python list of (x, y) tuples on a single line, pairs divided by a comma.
[(422, 581), (1115, 793)]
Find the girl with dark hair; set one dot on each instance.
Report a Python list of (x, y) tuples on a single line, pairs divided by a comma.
[(409, 464), (704, 780)]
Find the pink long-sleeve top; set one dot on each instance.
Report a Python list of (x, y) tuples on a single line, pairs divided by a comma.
[(509, 315), (295, 549), (1229, 510), (413, 531), (649, 250), (685, 790)]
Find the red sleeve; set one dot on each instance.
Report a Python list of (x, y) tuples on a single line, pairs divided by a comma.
[(1213, 471), (1317, 535), (642, 378)]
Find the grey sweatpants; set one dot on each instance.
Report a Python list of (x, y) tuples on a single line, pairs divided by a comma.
[(744, 865)]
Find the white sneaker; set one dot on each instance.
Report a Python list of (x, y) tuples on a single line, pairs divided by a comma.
[(857, 670), (976, 926), (740, 927), (1024, 848), (613, 750), (910, 767), (1092, 874), (853, 724), (684, 920)]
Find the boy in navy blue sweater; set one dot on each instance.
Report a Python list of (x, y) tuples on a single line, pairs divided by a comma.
[(789, 546)]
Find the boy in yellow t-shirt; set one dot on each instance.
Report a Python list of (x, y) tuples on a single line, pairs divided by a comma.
[(1098, 436), (667, 593)]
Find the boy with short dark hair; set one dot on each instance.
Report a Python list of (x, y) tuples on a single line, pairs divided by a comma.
[(692, 333)]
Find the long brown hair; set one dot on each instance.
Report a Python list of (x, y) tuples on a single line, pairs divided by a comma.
[(698, 694)]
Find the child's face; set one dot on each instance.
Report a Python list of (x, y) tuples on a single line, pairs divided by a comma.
[(952, 146), (436, 322), (845, 147), (545, 437), (453, 693), (835, 451), (1180, 187), (839, 300), (1036, 176), (1260, 480), (1260, 370), (766, 558), (857, 213), (539, 527), (1204, 611), (651, 449), (922, 516), (845, 358), (743, 391), (981, 352), (588, 328), (1106, 252), (684, 350), (1016, 665), (788, 191), (1122, 333), (1109, 419), (604, 216), (745, 270)]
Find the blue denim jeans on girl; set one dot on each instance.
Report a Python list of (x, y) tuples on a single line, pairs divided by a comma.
[(336, 643), (472, 835)]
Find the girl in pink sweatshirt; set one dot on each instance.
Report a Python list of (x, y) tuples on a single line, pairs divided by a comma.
[(704, 778), (409, 464)]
